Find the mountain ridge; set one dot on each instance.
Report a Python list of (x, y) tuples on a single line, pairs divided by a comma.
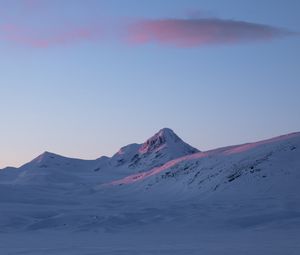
[(143, 148)]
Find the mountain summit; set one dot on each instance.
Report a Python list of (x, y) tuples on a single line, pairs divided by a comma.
[(163, 146), (166, 138)]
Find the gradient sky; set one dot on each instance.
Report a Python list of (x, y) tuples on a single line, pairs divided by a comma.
[(83, 78)]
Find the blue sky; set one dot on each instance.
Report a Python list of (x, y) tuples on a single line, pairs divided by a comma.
[(72, 83)]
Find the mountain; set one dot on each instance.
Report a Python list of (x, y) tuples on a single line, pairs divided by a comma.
[(51, 168), (271, 165), (158, 197), (164, 146)]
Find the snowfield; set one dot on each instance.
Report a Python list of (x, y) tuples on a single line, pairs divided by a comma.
[(159, 197)]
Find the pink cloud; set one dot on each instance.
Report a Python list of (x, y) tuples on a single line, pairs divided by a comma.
[(37, 38), (202, 31)]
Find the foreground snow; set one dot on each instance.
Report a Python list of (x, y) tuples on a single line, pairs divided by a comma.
[(152, 242), (160, 197)]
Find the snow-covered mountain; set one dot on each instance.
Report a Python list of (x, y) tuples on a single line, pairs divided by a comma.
[(162, 187), (165, 161), (164, 146), (212, 170), (50, 168)]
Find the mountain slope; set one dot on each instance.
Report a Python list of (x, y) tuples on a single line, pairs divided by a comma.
[(268, 163)]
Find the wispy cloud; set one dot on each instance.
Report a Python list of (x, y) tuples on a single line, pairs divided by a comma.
[(38, 38), (193, 32), (202, 31)]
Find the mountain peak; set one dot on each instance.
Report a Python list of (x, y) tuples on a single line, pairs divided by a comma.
[(45, 157), (166, 131), (167, 134), (164, 138), (163, 146)]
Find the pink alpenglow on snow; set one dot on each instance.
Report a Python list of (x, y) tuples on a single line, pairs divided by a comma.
[(198, 32), (249, 146)]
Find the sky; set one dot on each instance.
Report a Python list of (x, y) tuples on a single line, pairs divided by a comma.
[(83, 78)]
